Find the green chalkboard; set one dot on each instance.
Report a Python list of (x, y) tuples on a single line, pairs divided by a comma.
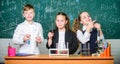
[(106, 12)]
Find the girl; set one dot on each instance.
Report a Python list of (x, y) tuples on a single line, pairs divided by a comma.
[(62, 35), (89, 32)]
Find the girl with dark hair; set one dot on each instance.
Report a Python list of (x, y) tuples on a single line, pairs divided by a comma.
[(62, 35)]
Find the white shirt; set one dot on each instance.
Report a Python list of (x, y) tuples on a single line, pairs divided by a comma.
[(34, 29), (61, 41), (84, 38)]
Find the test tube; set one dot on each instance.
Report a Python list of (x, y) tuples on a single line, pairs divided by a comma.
[(56, 48), (56, 45), (67, 45), (28, 42), (98, 36)]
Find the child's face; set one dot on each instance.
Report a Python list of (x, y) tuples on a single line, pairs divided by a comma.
[(85, 18), (29, 14), (60, 21)]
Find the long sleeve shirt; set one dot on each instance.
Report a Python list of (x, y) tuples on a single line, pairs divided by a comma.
[(85, 37), (34, 29)]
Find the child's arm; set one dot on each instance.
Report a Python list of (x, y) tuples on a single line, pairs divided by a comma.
[(83, 38), (50, 35), (18, 36), (98, 26)]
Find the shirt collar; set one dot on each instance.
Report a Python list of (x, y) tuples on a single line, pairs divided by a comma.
[(26, 22), (84, 28)]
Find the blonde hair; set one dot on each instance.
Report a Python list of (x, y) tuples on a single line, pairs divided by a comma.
[(27, 7)]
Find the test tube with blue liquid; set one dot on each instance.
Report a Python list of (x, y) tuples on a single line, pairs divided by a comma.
[(28, 42)]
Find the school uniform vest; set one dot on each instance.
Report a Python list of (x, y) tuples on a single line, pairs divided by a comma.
[(92, 44)]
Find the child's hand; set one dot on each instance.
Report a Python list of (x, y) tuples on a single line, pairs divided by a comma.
[(50, 35), (26, 37), (38, 39), (90, 25), (98, 26)]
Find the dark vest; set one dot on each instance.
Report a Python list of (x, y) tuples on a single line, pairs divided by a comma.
[(92, 43)]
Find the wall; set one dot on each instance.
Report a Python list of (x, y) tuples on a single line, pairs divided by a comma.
[(115, 46), (105, 12)]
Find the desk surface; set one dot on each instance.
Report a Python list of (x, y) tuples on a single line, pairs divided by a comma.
[(46, 59), (35, 57)]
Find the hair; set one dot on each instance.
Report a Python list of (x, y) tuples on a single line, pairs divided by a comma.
[(76, 23), (67, 26), (27, 7)]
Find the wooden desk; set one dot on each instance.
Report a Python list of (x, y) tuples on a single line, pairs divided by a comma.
[(45, 59)]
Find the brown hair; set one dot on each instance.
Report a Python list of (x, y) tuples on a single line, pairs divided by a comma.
[(76, 23), (67, 26), (27, 7)]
